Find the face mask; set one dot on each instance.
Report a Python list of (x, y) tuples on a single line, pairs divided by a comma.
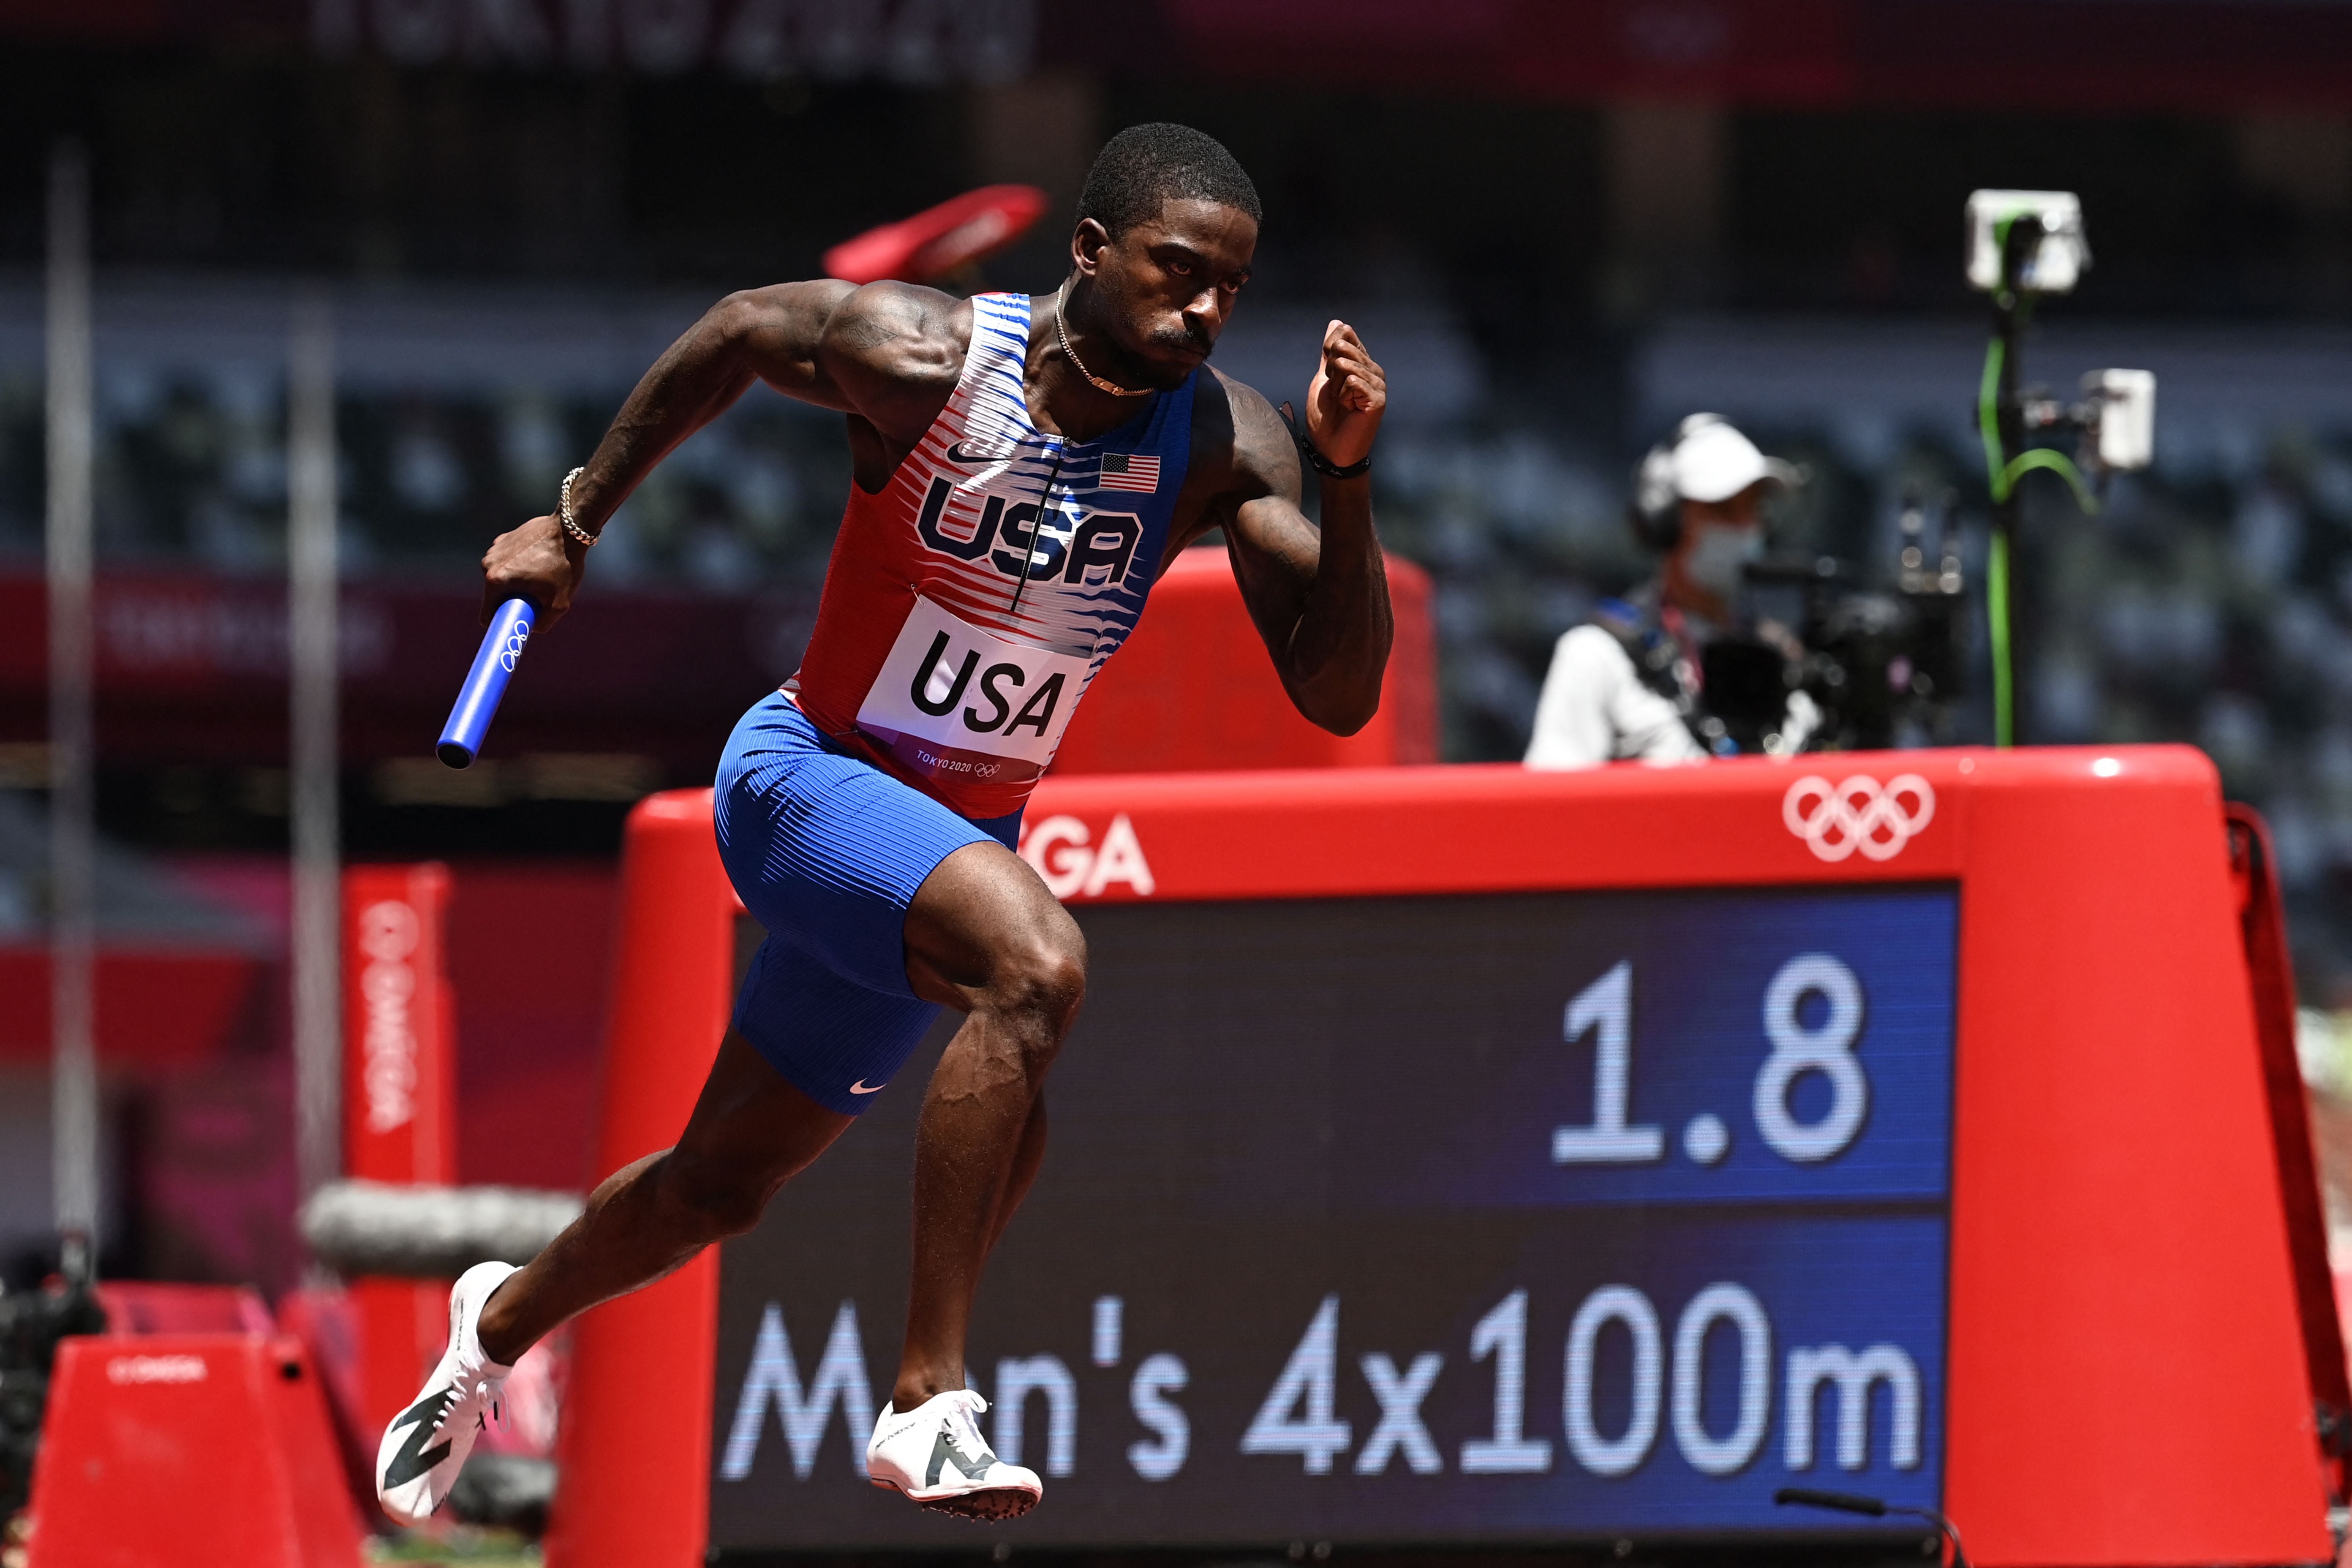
[(1718, 557)]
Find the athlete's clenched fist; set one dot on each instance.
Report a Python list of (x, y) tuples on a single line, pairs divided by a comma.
[(1345, 401), (536, 562)]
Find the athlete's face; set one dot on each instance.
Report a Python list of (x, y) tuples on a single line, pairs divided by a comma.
[(1167, 285)]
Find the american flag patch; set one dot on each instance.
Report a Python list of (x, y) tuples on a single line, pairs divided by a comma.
[(1130, 471)]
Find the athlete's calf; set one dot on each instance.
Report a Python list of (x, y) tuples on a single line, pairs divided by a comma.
[(749, 1133), (986, 936)]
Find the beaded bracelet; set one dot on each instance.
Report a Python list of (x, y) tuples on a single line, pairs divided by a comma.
[(1316, 459)]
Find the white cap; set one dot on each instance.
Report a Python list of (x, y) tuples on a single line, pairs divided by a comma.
[(1712, 461)]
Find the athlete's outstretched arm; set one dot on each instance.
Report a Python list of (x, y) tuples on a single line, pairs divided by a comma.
[(861, 351), (1320, 598)]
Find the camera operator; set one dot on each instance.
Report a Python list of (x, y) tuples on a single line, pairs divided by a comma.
[(1630, 684)]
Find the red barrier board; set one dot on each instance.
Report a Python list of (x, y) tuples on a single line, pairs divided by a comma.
[(189, 1451), (2125, 1378), (190, 668), (155, 1009), (400, 1101)]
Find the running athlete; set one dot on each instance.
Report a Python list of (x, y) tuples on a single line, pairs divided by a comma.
[(1024, 467)]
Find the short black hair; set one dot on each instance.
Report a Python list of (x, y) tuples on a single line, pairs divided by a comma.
[(1145, 165)]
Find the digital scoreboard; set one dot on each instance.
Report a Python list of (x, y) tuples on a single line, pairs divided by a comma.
[(1476, 1158), (1471, 1218)]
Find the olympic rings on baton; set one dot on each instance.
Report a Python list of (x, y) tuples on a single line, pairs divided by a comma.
[(513, 648), (1835, 820)]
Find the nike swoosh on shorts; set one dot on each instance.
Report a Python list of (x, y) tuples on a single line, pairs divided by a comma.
[(861, 1087)]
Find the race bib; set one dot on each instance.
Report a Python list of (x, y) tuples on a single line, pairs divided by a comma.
[(955, 701)]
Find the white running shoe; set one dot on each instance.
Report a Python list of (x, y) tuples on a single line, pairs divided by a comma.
[(935, 1453), (413, 1472)]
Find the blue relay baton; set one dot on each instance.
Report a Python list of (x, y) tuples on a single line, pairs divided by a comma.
[(477, 700)]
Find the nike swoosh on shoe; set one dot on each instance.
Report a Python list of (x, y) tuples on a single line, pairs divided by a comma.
[(424, 1418), (943, 1456)]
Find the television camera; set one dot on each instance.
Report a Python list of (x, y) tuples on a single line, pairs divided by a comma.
[(1880, 663)]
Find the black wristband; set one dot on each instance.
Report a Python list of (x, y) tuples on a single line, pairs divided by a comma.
[(1317, 461)]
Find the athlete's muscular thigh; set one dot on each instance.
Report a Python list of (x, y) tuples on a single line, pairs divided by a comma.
[(984, 931)]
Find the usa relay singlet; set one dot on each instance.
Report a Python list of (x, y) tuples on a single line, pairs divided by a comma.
[(919, 659)]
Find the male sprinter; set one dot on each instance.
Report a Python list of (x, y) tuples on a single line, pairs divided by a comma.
[(1025, 469)]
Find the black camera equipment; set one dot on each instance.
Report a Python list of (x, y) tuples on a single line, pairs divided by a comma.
[(1881, 664), (31, 1324), (1742, 703), (1884, 663)]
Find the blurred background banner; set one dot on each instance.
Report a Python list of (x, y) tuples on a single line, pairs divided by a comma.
[(2127, 54), (1561, 229)]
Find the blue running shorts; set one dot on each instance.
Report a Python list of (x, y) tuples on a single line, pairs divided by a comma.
[(826, 852)]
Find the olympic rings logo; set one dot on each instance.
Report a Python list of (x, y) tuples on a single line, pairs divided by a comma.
[(1835, 820), (513, 651)]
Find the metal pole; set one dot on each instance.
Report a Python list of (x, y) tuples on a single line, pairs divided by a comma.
[(73, 914), (316, 763)]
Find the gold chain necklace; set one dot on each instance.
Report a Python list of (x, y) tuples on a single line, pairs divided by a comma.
[(1062, 335)]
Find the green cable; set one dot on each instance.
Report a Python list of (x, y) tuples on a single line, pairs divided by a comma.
[(1988, 421), (2001, 474), (1997, 477), (2004, 710), (2057, 463)]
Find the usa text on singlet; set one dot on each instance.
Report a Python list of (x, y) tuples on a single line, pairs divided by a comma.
[(920, 658)]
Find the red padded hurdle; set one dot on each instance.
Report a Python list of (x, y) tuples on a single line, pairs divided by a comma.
[(189, 1451), (2127, 1378)]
